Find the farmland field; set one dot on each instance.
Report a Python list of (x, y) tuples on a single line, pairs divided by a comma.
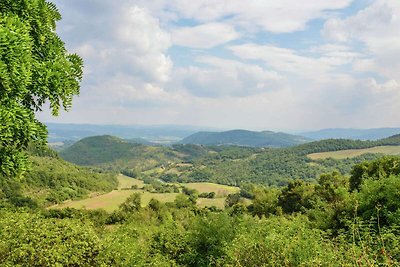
[(110, 201), (125, 182), (220, 190), (350, 153), (209, 202)]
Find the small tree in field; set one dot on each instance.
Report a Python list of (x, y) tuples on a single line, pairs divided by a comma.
[(34, 68)]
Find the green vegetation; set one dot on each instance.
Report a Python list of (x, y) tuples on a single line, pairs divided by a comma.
[(245, 138), (112, 200), (52, 180), (34, 68), (328, 223), (114, 153), (229, 165), (325, 212)]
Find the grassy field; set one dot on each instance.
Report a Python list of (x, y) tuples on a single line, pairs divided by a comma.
[(125, 182), (110, 201), (350, 153), (209, 202), (220, 190)]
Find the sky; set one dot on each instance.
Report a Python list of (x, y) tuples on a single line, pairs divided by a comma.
[(255, 64)]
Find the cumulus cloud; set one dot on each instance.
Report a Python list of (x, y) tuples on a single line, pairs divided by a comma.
[(318, 64), (205, 35), (272, 16), (117, 38), (377, 27), (221, 77), (233, 63)]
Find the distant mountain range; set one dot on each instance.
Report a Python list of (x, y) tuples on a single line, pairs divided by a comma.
[(170, 134), (162, 134), (361, 134), (245, 138)]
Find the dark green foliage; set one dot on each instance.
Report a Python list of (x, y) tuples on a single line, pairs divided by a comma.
[(232, 199), (376, 170), (207, 195), (296, 197)]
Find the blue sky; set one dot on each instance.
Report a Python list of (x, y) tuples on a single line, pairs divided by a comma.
[(270, 65)]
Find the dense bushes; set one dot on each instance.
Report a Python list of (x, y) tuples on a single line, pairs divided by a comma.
[(28, 239)]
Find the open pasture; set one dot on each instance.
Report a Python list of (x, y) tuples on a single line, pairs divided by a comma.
[(125, 182), (220, 190), (351, 153), (111, 201)]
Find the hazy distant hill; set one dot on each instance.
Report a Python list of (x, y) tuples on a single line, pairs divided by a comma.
[(361, 134), (154, 134), (245, 138)]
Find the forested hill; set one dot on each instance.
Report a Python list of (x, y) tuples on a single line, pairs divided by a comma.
[(52, 180), (245, 138), (105, 149)]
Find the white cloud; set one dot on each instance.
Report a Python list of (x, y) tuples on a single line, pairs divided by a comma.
[(115, 38), (377, 27), (350, 79), (323, 63), (220, 78), (273, 16), (204, 36)]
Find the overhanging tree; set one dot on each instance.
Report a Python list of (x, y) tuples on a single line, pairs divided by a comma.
[(35, 68)]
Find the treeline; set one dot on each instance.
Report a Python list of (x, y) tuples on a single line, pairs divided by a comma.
[(338, 221), (342, 144)]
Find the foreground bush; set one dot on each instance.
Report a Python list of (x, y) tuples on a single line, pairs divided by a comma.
[(28, 239)]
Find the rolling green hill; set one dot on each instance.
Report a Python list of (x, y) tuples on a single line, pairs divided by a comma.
[(114, 153), (52, 180), (245, 138)]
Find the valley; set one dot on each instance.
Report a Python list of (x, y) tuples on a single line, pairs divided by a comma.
[(196, 133), (111, 201)]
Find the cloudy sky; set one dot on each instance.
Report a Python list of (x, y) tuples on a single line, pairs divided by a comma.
[(255, 64)]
